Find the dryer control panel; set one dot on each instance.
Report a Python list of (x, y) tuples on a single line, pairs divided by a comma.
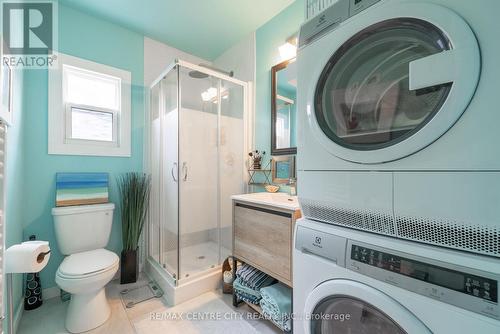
[(466, 288), (330, 18)]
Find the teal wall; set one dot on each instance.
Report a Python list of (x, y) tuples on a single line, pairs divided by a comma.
[(269, 38), (14, 177), (89, 38)]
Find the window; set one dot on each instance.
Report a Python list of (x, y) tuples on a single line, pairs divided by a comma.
[(89, 109)]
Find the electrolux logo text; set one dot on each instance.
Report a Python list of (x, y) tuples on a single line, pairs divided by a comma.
[(29, 34)]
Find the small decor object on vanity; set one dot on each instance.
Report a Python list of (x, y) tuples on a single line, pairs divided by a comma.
[(134, 192), (271, 188), (257, 158)]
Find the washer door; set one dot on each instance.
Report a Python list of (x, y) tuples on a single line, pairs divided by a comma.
[(343, 306), (395, 85)]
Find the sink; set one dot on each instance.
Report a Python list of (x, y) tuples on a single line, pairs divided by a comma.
[(281, 200)]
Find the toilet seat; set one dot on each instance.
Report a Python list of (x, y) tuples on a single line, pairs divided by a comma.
[(87, 264)]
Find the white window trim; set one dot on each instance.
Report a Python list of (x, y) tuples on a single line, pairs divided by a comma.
[(59, 111)]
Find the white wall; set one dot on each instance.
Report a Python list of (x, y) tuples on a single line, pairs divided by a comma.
[(240, 58), (158, 56)]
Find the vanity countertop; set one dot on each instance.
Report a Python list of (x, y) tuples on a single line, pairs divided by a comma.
[(279, 200)]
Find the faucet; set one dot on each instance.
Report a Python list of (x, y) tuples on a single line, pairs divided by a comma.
[(292, 183)]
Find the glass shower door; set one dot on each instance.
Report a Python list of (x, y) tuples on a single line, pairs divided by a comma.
[(198, 173), (169, 174), (155, 158)]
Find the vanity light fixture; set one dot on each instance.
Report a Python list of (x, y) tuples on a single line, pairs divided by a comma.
[(289, 49)]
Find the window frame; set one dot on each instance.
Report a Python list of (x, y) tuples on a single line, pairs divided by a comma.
[(60, 111)]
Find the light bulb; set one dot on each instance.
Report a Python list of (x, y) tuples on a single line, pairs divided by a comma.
[(287, 51)]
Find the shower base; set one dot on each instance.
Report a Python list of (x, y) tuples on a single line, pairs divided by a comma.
[(199, 272), (197, 258)]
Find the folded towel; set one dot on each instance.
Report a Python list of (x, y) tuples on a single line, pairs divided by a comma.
[(253, 278), (238, 286), (278, 297), (276, 303), (247, 297), (284, 321)]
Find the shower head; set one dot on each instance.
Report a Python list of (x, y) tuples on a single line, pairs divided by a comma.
[(201, 75), (198, 75)]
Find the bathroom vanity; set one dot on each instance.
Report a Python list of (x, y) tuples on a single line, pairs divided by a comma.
[(263, 225)]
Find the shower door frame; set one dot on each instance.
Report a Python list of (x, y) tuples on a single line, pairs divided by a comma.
[(247, 143)]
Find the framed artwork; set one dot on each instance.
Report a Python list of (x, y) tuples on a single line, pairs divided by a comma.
[(81, 188), (283, 168), (6, 93)]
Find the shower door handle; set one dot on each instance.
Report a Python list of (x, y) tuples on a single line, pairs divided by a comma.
[(174, 166), (184, 171)]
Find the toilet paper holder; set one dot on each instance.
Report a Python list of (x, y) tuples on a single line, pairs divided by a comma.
[(27, 257)]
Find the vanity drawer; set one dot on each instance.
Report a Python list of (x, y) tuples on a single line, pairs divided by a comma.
[(263, 238)]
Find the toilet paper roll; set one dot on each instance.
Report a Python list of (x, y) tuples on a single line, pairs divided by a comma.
[(28, 257)]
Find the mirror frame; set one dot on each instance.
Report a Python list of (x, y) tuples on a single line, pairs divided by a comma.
[(274, 91)]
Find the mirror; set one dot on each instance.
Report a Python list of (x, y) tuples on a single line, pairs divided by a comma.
[(283, 169), (283, 108)]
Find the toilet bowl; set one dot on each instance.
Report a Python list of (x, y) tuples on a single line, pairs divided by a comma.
[(82, 232), (84, 275)]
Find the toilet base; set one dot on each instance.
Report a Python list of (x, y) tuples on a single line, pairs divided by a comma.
[(87, 311)]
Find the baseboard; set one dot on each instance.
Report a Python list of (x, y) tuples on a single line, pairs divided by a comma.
[(50, 293)]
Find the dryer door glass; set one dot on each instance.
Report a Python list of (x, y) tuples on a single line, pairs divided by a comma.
[(343, 315), (363, 98)]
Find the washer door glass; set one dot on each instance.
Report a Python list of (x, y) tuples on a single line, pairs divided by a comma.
[(339, 315), (363, 100)]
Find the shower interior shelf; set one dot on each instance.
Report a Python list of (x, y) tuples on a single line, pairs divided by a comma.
[(266, 172)]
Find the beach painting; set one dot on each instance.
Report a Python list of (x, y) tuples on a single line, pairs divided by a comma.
[(81, 188)]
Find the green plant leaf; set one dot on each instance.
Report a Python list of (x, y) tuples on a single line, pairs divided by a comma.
[(134, 189)]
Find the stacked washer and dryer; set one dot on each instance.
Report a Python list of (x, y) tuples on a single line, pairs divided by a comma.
[(399, 168)]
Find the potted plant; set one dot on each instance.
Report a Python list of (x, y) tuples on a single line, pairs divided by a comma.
[(256, 157), (134, 191)]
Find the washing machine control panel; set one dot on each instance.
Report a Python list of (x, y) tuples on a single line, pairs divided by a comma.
[(467, 288), (331, 18)]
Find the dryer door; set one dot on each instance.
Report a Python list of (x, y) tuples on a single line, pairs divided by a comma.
[(395, 85), (343, 306)]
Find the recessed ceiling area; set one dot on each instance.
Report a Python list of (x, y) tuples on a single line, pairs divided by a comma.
[(205, 28)]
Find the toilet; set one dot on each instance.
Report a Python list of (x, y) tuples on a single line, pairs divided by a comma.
[(82, 232)]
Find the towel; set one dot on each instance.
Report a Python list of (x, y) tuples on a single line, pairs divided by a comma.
[(276, 303), (247, 297), (284, 322), (253, 278), (238, 286)]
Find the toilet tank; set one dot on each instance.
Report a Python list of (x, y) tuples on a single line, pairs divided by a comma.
[(82, 228)]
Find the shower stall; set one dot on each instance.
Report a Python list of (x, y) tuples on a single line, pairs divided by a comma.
[(197, 146)]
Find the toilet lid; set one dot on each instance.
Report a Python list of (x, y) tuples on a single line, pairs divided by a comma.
[(86, 263)]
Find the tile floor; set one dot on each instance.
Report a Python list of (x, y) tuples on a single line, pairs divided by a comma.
[(49, 319)]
